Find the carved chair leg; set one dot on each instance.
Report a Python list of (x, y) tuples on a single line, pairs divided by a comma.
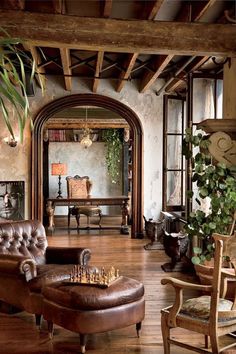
[(138, 328), (38, 320), (88, 221), (83, 340), (100, 218), (165, 333), (50, 329), (77, 216)]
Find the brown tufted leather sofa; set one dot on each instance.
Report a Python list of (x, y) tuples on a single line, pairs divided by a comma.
[(27, 264)]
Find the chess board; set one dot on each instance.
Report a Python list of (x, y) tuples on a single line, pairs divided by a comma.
[(102, 278)]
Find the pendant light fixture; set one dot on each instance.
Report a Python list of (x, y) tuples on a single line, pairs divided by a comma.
[(86, 140)]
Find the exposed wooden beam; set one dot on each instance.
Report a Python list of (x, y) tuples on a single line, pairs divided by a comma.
[(150, 12), (98, 70), (36, 57), (66, 63), (199, 9), (107, 8), (98, 34), (59, 6), (159, 64), (152, 9), (124, 75), (194, 11), (176, 82)]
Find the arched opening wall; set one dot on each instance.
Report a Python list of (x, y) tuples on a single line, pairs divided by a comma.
[(99, 101)]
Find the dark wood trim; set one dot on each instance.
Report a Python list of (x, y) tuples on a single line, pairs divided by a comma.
[(93, 100)]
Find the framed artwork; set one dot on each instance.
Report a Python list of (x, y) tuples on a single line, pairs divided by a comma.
[(12, 200)]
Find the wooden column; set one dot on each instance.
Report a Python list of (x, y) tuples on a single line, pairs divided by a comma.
[(229, 89)]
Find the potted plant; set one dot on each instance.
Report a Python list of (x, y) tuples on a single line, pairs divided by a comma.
[(215, 183), (14, 64)]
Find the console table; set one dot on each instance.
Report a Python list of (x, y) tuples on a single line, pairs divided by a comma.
[(119, 200)]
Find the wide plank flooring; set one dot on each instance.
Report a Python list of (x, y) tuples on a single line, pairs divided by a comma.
[(18, 333)]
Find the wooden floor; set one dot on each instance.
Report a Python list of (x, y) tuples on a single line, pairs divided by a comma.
[(18, 333)]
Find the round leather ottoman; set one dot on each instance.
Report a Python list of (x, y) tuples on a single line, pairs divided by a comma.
[(87, 309)]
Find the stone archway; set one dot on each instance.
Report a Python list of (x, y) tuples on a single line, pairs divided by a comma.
[(106, 103)]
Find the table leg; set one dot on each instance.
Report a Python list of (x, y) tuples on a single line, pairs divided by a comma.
[(125, 212), (50, 208)]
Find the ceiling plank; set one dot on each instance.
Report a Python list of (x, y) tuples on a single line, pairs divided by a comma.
[(98, 34), (99, 62), (199, 10), (107, 8), (124, 75), (152, 9), (193, 66), (149, 13), (66, 63), (159, 64)]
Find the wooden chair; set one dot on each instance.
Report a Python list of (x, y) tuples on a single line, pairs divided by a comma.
[(80, 187), (211, 315)]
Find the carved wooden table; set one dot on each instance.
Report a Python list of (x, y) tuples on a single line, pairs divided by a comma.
[(118, 200)]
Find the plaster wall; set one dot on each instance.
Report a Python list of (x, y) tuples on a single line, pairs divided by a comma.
[(16, 162), (83, 162)]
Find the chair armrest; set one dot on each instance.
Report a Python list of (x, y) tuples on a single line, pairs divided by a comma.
[(18, 265), (67, 255), (179, 286), (176, 283)]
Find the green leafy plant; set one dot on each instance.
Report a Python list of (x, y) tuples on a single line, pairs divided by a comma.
[(218, 183), (14, 63), (113, 140)]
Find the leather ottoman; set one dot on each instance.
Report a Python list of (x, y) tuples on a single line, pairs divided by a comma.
[(86, 309)]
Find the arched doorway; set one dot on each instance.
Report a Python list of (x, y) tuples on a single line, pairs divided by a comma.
[(99, 101)]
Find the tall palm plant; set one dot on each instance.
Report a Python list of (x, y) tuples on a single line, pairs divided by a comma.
[(14, 63)]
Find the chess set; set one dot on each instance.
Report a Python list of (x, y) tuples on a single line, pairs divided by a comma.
[(102, 278)]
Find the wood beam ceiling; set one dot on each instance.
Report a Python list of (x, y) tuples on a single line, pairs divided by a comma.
[(66, 64), (97, 34), (159, 64), (98, 69), (38, 61), (107, 8), (178, 81)]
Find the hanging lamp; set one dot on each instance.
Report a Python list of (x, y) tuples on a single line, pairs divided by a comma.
[(86, 140)]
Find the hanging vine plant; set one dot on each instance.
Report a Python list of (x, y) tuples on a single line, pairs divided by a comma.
[(113, 139)]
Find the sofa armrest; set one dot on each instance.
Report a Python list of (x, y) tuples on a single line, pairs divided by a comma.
[(18, 265), (68, 255)]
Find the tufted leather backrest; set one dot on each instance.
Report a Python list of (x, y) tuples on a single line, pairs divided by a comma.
[(25, 238)]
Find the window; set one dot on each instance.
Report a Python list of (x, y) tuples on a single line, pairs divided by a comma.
[(174, 171)]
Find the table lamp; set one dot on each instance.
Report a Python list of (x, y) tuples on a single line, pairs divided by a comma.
[(59, 169)]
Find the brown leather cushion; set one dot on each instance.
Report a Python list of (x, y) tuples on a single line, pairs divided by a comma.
[(49, 273), (85, 297), (87, 210)]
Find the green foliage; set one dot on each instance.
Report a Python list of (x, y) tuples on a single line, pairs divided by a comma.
[(218, 182), (14, 64), (113, 139)]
